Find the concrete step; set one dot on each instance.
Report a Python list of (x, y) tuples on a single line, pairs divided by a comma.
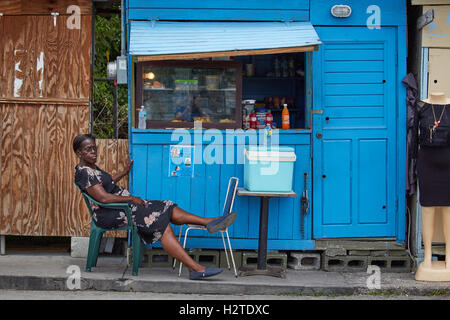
[(304, 261), (273, 259)]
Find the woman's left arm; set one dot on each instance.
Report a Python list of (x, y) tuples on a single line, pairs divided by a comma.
[(116, 178)]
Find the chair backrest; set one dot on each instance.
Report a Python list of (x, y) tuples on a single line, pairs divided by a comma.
[(86, 199), (231, 194)]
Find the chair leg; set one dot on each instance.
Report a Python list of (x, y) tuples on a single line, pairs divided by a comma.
[(95, 238), (137, 248), (226, 253), (184, 247), (179, 240), (98, 248), (231, 251)]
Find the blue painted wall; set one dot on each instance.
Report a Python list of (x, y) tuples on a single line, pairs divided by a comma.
[(224, 10), (204, 194), (364, 12)]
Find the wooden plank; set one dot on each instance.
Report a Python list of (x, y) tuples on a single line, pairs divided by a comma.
[(2, 54), (19, 57), (85, 57), (49, 171), (109, 154), (72, 222), (111, 151), (28, 184), (38, 174), (16, 169), (5, 169), (40, 101), (122, 154), (1, 163), (73, 61), (34, 147), (61, 163), (118, 157), (82, 213), (8, 58), (29, 69), (41, 55), (51, 72), (64, 60), (39, 7), (225, 53)]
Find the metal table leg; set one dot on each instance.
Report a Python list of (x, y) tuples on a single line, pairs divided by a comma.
[(262, 247)]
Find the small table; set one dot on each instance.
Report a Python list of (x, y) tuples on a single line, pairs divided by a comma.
[(263, 225)]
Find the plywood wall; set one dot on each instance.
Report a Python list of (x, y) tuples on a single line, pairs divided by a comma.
[(36, 7), (42, 59), (37, 194), (45, 83)]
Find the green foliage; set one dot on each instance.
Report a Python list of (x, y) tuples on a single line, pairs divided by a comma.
[(107, 40)]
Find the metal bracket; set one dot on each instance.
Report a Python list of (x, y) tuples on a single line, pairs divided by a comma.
[(54, 14)]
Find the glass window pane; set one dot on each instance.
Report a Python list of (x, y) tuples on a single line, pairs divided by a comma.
[(186, 94)]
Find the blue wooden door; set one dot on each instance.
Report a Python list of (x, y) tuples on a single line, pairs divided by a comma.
[(354, 133)]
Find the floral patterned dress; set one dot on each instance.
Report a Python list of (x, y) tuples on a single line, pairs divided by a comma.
[(151, 220)]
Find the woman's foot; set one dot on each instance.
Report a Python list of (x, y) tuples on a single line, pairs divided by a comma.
[(208, 272), (221, 223)]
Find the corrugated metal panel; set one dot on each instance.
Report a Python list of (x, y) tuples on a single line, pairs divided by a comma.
[(164, 38)]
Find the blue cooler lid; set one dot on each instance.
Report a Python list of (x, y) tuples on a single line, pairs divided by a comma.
[(270, 153)]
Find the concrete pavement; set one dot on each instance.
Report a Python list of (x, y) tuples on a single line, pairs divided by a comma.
[(34, 271)]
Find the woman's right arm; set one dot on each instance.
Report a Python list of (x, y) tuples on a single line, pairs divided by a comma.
[(98, 193)]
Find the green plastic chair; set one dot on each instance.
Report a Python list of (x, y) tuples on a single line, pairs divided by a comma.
[(96, 234)]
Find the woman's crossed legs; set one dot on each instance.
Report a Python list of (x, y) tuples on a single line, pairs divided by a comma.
[(171, 244)]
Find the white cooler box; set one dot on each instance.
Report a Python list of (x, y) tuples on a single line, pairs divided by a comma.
[(269, 169)]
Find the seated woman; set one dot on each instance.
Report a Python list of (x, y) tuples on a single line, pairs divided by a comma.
[(150, 217)]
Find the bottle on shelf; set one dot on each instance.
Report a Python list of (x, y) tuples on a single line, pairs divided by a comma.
[(276, 67), (284, 68), (285, 118), (291, 67), (276, 102), (269, 119), (142, 118), (253, 121)]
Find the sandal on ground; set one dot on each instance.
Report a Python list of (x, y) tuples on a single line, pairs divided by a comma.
[(209, 272)]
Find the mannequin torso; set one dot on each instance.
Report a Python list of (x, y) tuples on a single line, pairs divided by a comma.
[(434, 176)]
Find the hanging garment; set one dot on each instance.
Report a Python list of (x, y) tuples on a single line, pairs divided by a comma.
[(412, 94), (433, 162)]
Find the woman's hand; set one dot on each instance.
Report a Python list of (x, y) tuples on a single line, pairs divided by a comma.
[(138, 201), (128, 166), (125, 171)]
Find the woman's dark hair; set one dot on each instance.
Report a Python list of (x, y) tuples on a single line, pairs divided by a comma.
[(78, 140)]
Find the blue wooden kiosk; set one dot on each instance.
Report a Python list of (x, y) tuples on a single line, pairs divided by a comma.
[(348, 111)]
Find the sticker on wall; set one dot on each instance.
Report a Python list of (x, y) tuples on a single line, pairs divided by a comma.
[(181, 163)]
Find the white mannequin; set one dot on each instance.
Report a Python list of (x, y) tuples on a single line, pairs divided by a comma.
[(435, 270)]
